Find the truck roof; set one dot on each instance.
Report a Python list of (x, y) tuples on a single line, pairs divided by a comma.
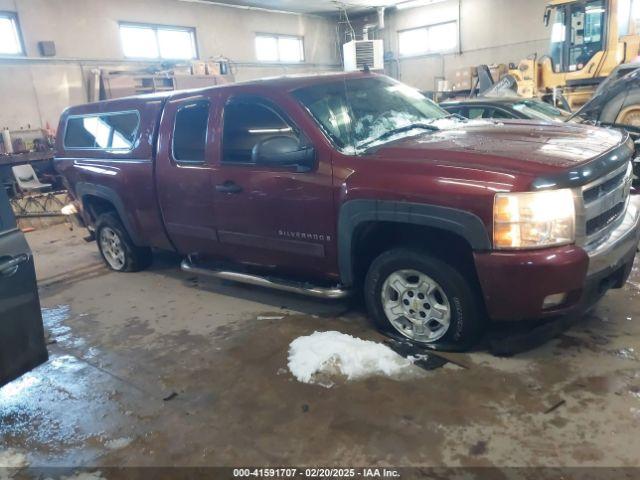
[(284, 82)]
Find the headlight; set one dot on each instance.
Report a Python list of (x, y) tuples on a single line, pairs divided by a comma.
[(533, 219)]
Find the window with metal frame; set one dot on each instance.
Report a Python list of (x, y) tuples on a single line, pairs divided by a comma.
[(158, 41), (279, 48), (430, 39), (190, 130), (10, 36), (115, 131)]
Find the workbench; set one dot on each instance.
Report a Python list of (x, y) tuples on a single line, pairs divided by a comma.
[(21, 158)]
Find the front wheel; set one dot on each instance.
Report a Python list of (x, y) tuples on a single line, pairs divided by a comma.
[(117, 249), (422, 298)]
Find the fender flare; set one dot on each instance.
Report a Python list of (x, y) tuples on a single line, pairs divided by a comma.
[(356, 212), (84, 188)]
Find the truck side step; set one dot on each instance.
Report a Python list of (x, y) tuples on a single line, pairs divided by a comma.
[(309, 290)]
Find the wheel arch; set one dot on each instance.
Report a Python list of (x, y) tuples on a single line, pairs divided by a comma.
[(360, 218), (87, 192)]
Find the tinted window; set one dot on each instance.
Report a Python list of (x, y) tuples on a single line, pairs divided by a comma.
[(499, 113), (113, 131), (476, 112), (246, 123), (190, 133)]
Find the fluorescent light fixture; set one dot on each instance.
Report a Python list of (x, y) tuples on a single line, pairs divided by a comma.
[(416, 3)]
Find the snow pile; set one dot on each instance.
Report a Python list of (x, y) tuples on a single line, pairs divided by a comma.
[(117, 443), (334, 353), (10, 458)]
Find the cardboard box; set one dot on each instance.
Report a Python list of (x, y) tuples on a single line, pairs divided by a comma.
[(198, 68)]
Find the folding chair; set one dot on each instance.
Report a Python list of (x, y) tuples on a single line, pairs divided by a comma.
[(28, 180)]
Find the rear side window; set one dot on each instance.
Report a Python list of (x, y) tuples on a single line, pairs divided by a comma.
[(190, 132), (111, 131)]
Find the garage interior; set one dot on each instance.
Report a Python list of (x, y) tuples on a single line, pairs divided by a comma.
[(164, 368)]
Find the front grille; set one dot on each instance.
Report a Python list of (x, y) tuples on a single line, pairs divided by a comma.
[(604, 202), (604, 219), (601, 190)]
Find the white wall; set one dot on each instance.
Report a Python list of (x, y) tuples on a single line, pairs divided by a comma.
[(33, 90), (491, 31)]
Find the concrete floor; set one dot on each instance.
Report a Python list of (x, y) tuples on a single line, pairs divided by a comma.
[(161, 368)]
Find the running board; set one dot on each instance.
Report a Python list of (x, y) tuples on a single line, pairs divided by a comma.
[(334, 293)]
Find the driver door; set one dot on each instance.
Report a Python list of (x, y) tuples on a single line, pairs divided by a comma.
[(270, 215), (22, 345)]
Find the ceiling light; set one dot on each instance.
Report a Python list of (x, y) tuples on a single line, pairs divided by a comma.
[(416, 3)]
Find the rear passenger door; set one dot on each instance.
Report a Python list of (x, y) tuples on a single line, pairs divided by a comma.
[(183, 173), (22, 345)]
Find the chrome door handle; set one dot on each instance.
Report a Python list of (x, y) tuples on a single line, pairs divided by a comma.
[(11, 266)]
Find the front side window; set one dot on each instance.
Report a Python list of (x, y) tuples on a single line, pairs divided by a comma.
[(190, 133), (155, 41), (113, 131), (10, 41), (476, 112), (279, 48), (247, 122), (361, 113), (500, 113), (430, 39)]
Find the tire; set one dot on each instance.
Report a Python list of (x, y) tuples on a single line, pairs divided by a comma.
[(446, 311), (116, 248)]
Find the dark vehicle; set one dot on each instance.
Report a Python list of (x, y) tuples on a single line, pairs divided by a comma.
[(615, 100), (22, 345), (329, 184), (505, 108)]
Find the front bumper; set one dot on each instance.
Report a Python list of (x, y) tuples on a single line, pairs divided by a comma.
[(515, 284)]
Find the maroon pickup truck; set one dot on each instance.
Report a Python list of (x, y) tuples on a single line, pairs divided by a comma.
[(329, 184)]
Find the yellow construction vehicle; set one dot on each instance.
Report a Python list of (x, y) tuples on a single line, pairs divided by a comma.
[(589, 40)]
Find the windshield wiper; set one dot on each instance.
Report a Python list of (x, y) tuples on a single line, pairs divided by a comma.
[(395, 131), (457, 116)]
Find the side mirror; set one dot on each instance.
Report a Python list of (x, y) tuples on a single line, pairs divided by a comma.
[(284, 151)]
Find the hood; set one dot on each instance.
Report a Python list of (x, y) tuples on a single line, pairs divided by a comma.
[(611, 96), (517, 146)]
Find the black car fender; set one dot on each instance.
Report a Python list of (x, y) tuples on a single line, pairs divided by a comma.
[(355, 212)]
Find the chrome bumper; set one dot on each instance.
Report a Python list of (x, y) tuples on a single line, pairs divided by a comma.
[(612, 250)]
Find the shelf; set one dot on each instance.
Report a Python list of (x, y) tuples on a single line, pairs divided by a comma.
[(20, 158)]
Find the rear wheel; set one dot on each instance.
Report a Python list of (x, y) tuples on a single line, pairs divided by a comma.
[(117, 249), (422, 298)]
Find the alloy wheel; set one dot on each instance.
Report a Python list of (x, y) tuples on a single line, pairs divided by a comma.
[(416, 305)]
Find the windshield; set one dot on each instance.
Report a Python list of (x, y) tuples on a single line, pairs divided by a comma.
[(541, 111), (364, 112)]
